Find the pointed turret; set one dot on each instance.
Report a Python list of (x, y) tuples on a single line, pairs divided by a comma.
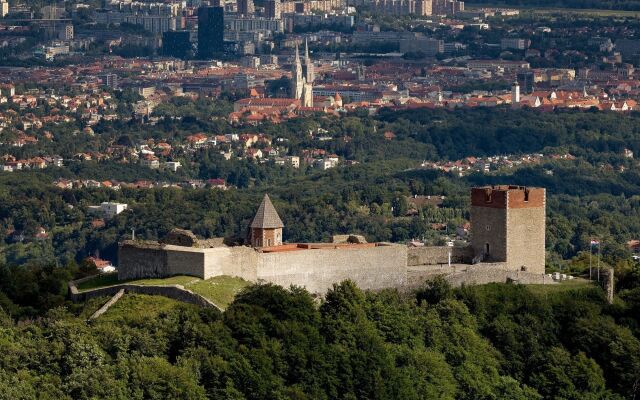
[(266, 227), (266, 216)]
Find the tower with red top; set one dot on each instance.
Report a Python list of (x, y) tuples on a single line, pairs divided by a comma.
[(508, 226)]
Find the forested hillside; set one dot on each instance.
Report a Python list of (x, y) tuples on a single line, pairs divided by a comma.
[(490, 342), (595, 193), (594, 4)]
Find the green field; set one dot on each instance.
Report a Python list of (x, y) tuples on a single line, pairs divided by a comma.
[(221, 289), (577, 283)]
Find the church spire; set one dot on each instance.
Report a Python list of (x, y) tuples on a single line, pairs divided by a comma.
[(297, 82), (309, 73), (306, 50)]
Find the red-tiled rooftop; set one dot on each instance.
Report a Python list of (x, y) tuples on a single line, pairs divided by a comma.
[(317, 246)]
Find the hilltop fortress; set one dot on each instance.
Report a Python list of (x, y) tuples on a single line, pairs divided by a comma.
[(507, 244)]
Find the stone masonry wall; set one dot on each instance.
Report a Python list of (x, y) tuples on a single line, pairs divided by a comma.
[(175, 292), (141, 262), (489, 225), (185, 261), (526, 239), (482, 273), (434, 255), (240, 261), (481, 276), (318, 269)]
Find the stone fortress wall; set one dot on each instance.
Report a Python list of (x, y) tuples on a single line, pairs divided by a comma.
[(176, 292), (508, 221), (371, 267), (438, 255)]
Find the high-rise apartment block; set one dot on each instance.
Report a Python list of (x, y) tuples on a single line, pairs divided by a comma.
[(447, 7), (273, 9), (416, 7), (245, 7), (154, 17), (4, 8)]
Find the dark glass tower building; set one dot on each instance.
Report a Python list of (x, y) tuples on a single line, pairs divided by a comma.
[(210, 31), (176, 44)]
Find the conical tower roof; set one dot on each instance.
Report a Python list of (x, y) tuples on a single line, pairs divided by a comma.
[(267, 217)]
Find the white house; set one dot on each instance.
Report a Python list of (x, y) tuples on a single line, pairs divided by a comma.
[(108, 209)]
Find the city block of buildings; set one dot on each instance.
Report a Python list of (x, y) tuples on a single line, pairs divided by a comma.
[(508, 244)]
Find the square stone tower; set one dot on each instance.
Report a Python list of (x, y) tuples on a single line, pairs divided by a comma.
[(266, 227), (508, 225)]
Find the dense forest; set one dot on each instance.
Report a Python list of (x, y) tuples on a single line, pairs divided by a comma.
[(496, 341), (594, 195)]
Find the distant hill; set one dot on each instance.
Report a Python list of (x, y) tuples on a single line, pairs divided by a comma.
[(582, 4)]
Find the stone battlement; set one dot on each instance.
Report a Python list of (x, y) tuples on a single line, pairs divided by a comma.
[(318, 246), (505, 196)]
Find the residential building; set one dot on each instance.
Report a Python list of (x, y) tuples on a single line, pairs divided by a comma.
[(103, 266), (154, 17), (429, 47), (4, 8), (447, 7), (150, 161), (294, 161), (273, 9), (245, 7), (109, 80), (172, 165), (251, 24), (514, 44), (108, 209), (507, 65)]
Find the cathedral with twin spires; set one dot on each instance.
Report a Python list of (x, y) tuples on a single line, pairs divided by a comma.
[(302, 77)]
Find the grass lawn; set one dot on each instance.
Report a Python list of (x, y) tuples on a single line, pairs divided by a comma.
[(577, 283), (134, 310), (221, 289)]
